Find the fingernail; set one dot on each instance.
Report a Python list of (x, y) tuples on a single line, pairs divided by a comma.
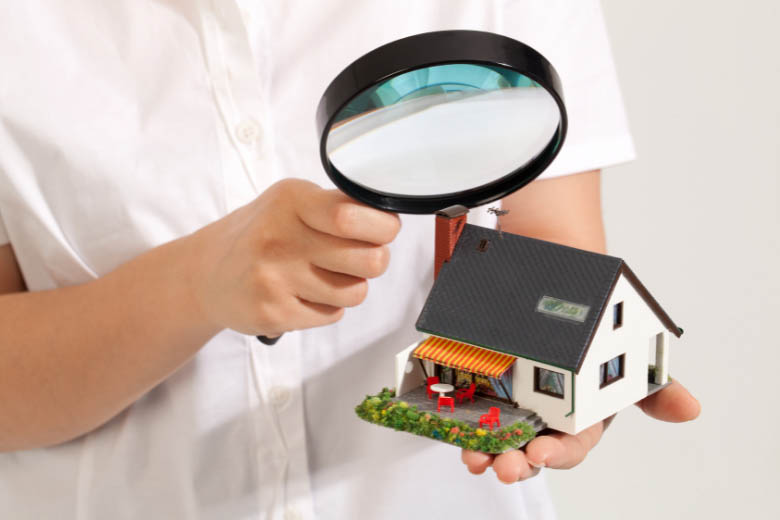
[(537, 464)]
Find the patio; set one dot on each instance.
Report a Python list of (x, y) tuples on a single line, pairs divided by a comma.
[(470, 412)]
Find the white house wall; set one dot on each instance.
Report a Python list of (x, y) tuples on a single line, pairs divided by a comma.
[(552, 410), (633, 338), (408, 373)]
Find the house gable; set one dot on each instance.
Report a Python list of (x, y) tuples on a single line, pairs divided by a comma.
[(627, 274), (632, 339)]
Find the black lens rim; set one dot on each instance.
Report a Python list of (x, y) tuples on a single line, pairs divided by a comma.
[(426, 50)]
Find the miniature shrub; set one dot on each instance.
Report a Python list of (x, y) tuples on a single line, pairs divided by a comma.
[(381, 409)]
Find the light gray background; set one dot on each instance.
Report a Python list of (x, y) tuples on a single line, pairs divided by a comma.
[(696, 217)]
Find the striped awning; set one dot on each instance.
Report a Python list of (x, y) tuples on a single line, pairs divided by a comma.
[(464, 357)]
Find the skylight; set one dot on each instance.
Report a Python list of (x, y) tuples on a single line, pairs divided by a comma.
[(562, 309)]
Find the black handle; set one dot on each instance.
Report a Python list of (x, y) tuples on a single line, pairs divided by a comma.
[(265, 340)]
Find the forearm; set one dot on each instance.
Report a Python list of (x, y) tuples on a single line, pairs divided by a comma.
[(565, 210), (72, 358)]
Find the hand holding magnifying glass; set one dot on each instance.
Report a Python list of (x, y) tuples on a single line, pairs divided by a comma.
[(293, 258), (438, 119)]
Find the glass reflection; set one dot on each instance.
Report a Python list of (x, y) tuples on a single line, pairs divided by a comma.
[(442, 129)]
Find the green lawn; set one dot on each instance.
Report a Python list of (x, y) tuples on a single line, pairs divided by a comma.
[(381, 409)]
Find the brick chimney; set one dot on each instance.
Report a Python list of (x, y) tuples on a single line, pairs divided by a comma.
[(449, 225)]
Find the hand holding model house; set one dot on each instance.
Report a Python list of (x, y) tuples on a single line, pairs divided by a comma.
[(559, 450), (564, 364)]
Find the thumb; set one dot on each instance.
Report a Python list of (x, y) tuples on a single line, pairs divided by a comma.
[(671, 404)]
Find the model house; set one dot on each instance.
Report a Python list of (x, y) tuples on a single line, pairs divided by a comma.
[(571, 335)]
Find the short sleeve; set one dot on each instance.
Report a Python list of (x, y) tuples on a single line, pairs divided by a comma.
[(572, 35)]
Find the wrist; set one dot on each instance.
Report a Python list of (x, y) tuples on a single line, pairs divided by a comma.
[(188, 276)]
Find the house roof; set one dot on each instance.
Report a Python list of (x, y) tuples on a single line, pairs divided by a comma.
[(488, 293)]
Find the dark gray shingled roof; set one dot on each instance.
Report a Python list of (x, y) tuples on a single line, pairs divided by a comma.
[(489, 298)]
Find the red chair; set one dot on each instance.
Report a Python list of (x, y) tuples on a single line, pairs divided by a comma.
[(464, 393), (491, 418), (431, 381), (447, 401)]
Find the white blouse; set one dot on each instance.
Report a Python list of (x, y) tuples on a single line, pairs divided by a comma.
[(127, 124)]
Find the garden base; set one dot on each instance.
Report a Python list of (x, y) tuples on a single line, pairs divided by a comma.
[(384, 410)]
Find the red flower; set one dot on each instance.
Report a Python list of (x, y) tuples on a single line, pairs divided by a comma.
[(518, 432)]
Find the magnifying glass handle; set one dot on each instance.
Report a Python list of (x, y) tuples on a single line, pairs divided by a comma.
[(265, 340)]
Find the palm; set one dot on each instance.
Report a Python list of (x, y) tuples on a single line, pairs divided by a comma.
[(563, 451)]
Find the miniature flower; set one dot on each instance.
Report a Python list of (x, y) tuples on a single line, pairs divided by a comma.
[(518, 431), (480, 432), (507, 436), (462, 434), (403, 404), (427, 417), (384, 412), (454, 429)]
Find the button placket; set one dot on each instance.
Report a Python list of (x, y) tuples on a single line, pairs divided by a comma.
[(279, 396), (248, 132), (237, 83)]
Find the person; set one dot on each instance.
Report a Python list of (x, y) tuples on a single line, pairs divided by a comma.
[(161, 203)]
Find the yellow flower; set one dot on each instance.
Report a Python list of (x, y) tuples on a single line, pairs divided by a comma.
[(480, 432), (375, 416), (403, 404), (384, 412)]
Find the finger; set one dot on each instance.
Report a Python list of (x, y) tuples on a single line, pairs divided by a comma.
[(561, 450), (318, 285), (513, 466), (334, 213), (476, 461), (302, 314), (672, 404), (350, 257)]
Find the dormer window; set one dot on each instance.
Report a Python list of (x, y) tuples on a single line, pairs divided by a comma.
[(617, 315)]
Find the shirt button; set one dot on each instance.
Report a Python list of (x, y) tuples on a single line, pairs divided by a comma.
[(248, 131), (279, 396), (292, 514)]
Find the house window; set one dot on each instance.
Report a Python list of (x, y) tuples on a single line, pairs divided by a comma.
[(548, 382), (617, 315), (612, 370)]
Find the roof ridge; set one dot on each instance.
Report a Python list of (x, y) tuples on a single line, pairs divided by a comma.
[(516, 236)]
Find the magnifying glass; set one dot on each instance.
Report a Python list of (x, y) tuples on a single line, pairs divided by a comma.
[(438, 119)]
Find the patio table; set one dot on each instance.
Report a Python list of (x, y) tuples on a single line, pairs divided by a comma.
[(442, 388)]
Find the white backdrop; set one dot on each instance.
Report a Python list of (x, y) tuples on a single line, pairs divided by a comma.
[(696, 216)]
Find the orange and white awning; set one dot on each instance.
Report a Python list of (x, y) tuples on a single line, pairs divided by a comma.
[(458, 355)]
